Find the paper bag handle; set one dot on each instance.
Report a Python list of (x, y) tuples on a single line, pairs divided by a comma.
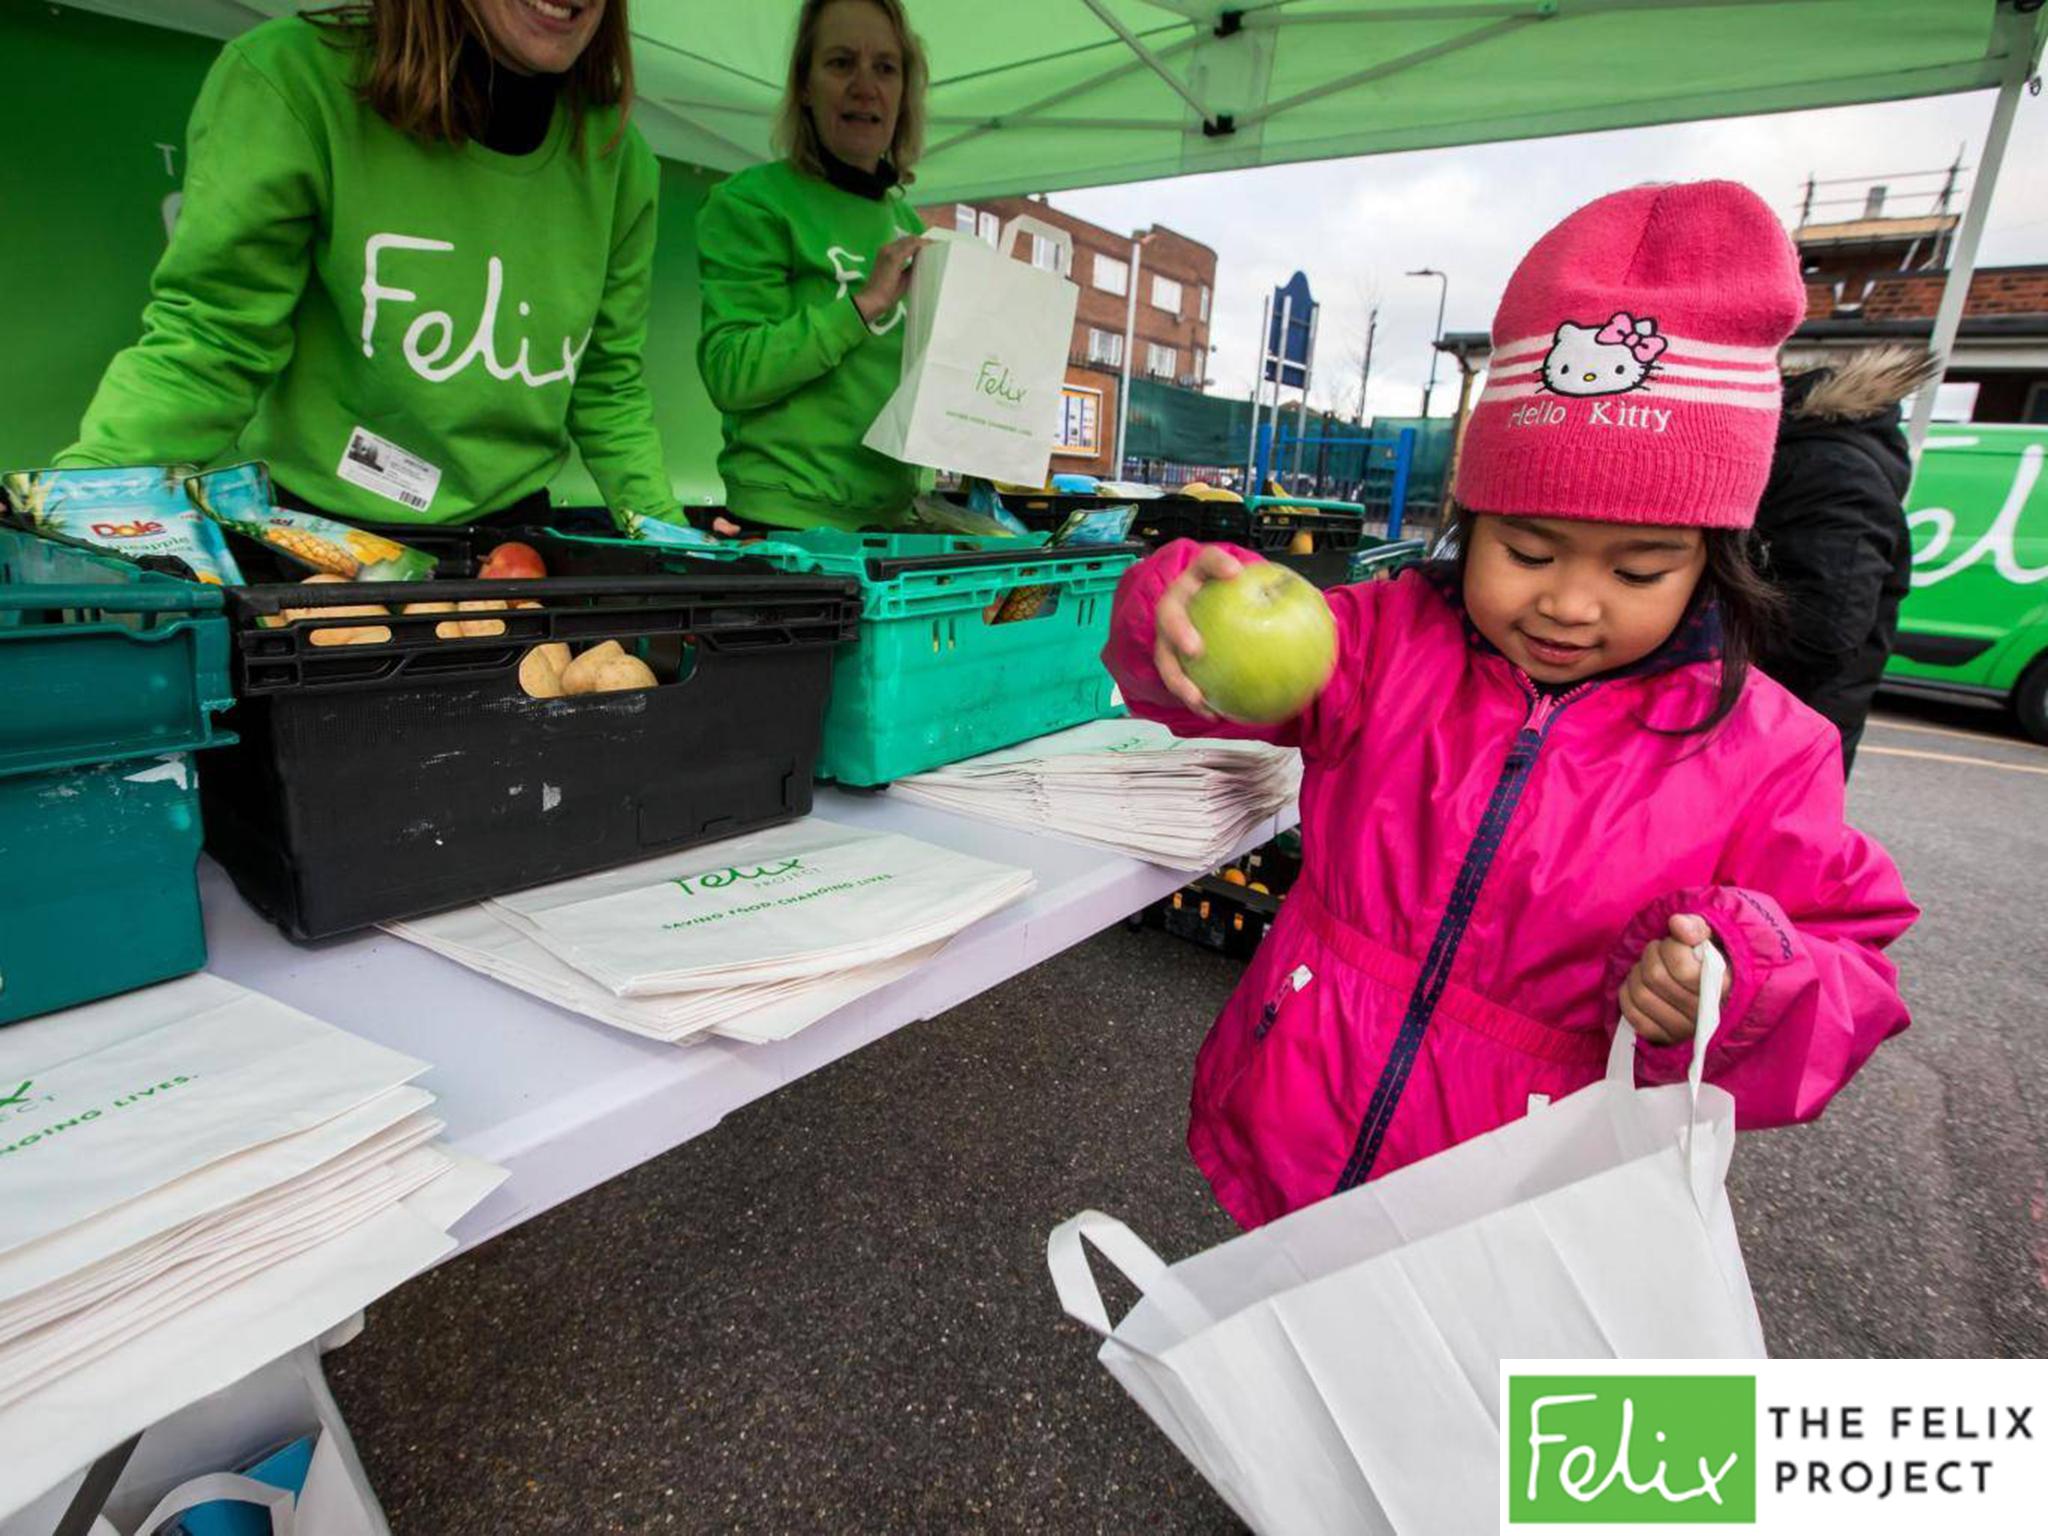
[(1075, 1281), (1621, 1056), (227, 1487), (1025, 223)]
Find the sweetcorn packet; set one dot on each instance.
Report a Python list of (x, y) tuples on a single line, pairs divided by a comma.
[(241, 503), (138, 511)]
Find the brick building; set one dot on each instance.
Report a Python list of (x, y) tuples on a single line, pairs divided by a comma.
[(1175, 281), (1878, 278)]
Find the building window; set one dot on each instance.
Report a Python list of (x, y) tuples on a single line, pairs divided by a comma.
[(1080, 429), (1111, 275), (991, 229), (1160, 361), (963, 218), (1201, 361), (1205, 303), (1165, 294), (1105, 347), (1045, 253)]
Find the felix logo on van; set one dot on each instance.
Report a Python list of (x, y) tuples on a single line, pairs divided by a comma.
[(1934, 561), (19, 1096), (1637, 1450)]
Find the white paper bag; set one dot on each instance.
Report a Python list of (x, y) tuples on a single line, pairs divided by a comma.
[(1337, 1370), (329, 1503), (205, 1348), (984, 358), (107, 1103), (805, 900)]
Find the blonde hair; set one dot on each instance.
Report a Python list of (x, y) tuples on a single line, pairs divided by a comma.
[(796, 135)]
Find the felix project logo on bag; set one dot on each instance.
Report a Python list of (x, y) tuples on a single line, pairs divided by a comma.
[(995, 379), (1808, 1446)]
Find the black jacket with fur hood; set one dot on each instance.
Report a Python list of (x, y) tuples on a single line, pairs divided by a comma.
[(1833, 529)]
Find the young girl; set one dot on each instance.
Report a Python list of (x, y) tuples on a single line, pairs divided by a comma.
[(1537, 780)]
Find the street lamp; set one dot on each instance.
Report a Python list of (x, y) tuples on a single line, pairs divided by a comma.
[(1443, 297)]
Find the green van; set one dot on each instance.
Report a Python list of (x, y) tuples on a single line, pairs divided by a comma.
[(1976, 620)]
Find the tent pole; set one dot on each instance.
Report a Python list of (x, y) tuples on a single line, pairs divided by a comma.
[(1020, 118), (1123, 406), (1948, 318), (1150, 59)]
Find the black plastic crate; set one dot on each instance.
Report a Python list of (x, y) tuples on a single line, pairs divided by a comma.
[(1326, 568), (1231, 919), (389, 780), (1160, 520), (1277, 527), (1276, 864)]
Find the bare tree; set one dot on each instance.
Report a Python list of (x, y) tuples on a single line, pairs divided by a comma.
[(1348, 379)]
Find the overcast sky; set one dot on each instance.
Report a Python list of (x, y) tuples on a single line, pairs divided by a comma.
[(1472, 212)]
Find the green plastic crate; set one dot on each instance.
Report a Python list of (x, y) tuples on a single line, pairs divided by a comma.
[(929, 680), (111, 676)]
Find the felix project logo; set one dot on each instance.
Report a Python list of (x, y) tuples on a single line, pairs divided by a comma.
[(19, 1096), (1813, 1447), (1640, 1450)]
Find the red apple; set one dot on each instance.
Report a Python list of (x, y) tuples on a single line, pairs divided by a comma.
[(513, 562)]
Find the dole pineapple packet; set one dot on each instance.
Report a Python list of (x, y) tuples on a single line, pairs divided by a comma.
[(138, 511)]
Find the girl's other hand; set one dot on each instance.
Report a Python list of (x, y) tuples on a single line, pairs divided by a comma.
[(1176, 638), (1661, 997), (888, 278)]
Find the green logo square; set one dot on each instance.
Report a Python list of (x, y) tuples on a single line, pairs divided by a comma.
[(1641, 1450)]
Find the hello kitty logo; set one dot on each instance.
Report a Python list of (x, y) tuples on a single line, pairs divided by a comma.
[(1609, 359)]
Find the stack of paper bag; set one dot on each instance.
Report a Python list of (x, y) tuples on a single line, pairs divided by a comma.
[(752, 939), (1127, 785), (196, 1180)]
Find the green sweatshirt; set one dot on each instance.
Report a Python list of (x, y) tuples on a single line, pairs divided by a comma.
[(787, 357), (406, 331)]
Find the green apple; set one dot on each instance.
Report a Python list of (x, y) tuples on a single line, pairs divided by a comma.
[(1268, 644)]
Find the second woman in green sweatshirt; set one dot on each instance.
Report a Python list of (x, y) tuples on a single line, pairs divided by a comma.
[(804, 265)]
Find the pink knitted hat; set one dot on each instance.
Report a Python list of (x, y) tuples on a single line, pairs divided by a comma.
[(1634, 376)]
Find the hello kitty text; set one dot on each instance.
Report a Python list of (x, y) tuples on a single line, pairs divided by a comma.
[(1599, 413)]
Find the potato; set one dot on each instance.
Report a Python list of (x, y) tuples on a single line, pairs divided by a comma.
[(368, 634), (580, 676), (540, 671), (441, 631), (478, 629), (621, 673)]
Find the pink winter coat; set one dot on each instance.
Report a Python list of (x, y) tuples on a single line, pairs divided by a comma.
[(1483, 865)]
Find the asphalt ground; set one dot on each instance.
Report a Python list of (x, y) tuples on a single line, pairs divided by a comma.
[(832, 1312)]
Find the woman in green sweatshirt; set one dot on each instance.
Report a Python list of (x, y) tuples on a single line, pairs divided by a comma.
[(804, 265), (411, 266)]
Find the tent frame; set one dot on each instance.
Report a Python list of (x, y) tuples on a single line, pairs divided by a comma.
[(1962, 269)]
